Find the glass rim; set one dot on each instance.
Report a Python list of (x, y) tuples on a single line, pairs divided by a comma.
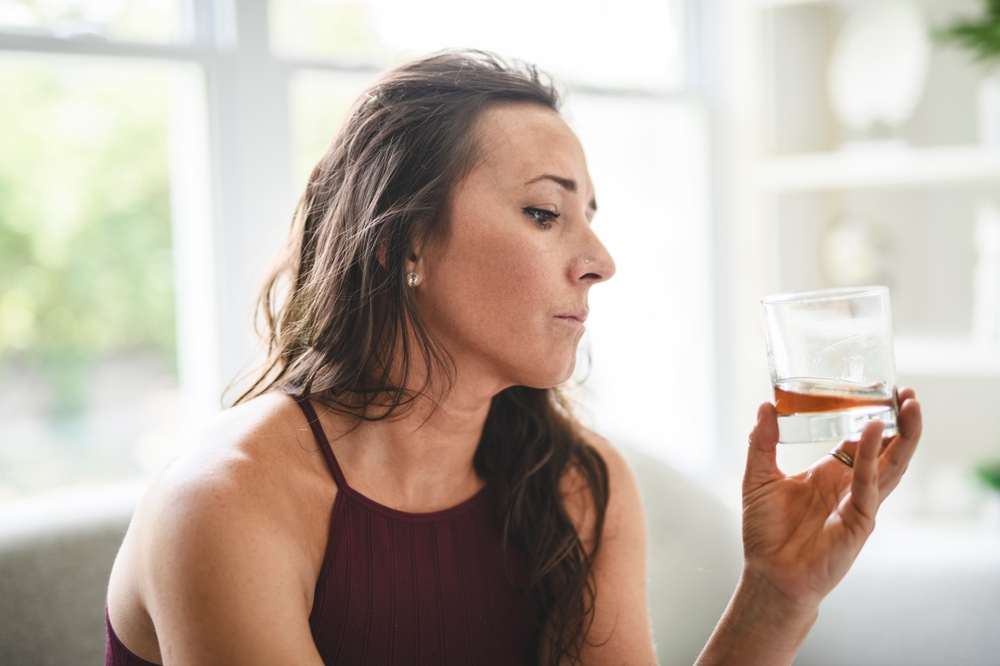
[(820, 295)]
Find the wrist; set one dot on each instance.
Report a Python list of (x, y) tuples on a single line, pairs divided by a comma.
[(762, 625), (758, 595)]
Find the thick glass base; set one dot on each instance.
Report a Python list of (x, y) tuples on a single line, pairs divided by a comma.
[(835, 426)]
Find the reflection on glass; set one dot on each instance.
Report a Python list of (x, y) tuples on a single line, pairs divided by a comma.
[(87, 363), (131, 20), (621, 44), (319, 104)]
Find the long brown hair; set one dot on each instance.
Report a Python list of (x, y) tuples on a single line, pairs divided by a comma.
[(342, 328)]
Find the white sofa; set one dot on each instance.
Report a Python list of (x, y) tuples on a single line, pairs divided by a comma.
[(55, 558), (920, 594)]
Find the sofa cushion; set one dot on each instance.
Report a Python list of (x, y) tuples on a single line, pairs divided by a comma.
[(56, 555)]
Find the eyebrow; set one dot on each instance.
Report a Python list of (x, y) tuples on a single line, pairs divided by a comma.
[(566, 183)]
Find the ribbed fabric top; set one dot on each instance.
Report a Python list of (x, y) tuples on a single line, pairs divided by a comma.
[(410, 588)]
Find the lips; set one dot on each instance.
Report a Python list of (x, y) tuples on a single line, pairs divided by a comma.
[(579, 315)]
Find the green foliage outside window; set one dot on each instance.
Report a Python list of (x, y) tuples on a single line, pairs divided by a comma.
[(85, 259)]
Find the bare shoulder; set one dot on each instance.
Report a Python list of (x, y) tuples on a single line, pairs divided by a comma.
[(623, 502), (620, 632), (252, 463), (618, 466), (243, 511)]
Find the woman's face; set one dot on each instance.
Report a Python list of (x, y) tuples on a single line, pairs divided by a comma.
[(507, 291)]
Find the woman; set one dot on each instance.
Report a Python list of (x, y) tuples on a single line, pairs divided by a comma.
[(403, 483)]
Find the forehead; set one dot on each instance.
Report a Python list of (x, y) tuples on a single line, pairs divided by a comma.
[(521, 141)]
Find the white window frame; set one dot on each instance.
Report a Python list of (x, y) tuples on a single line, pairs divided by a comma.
[(231, 173)]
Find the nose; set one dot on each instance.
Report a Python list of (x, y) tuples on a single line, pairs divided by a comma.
[(592, 262)]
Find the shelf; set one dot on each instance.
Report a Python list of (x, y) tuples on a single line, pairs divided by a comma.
[(952, 357), (773, 4), (865, 166)]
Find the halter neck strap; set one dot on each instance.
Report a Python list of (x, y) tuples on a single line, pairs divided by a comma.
[(324, 443)]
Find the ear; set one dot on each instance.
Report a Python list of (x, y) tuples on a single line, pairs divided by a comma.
[(381, 250), (380, 253), (415, 262)]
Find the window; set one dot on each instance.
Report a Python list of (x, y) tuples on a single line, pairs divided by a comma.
[(650, 330), (161, 144), (86, 272), (133, 20), (319, 102), (627, 44)]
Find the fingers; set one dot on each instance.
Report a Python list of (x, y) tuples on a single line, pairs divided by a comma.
[(762, 463), (864, 497), (897, 454)]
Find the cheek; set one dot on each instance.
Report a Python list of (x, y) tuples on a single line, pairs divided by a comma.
[(496, 294), (501, 284)]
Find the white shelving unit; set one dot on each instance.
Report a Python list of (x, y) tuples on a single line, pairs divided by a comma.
[(797, 172), (864, 167), (790, 183), (764, 4), (868, 167), (923, 189)]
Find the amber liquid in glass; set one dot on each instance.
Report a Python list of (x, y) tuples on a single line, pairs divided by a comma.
[(800, 396), (811, 409)]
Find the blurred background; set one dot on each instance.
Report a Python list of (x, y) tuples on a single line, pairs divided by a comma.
[(151, 152)]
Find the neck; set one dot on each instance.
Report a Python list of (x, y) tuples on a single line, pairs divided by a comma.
[(421, 459)]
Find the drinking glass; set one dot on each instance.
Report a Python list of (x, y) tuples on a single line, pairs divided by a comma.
[(832, 363)]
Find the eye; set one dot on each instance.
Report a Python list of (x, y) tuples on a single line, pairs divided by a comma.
[(542, 217)]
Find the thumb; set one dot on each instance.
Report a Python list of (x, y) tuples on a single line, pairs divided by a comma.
[(762, 463)]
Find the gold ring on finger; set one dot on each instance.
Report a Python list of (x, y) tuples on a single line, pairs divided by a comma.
[(843, 456)]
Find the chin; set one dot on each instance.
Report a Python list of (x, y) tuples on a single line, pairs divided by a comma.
[(548, 374)]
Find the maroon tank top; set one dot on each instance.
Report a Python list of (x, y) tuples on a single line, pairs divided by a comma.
[(410, 588)]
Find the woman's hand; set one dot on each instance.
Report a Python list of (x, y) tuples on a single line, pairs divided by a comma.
[(802, 532)]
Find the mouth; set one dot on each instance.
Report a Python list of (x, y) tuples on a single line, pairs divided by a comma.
[(579, 315)]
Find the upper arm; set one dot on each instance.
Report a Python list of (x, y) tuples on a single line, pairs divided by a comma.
[(620, 633), (224, 581)]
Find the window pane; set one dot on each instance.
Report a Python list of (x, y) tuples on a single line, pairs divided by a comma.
[(341, 30), (319, 104), (650, 328), (133, 20), (622, 44), (88, 389)]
